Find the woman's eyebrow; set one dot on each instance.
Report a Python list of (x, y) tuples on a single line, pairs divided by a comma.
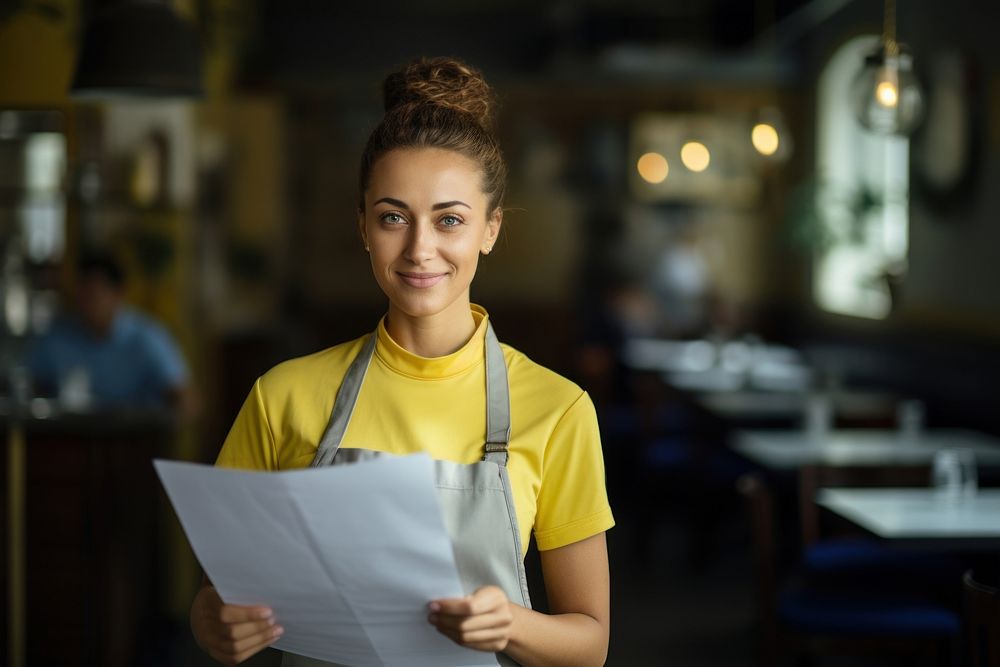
[(394, 202), (449, 204), (435, 207)]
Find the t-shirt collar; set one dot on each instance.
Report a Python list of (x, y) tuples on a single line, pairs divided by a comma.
[(402, 361)]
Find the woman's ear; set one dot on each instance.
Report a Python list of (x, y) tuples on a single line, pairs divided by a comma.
[(492, 230)]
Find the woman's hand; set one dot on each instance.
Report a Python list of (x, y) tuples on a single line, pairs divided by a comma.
[(480, 621), (231, 633)]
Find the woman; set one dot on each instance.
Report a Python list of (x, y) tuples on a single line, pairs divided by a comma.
[(433, 378)]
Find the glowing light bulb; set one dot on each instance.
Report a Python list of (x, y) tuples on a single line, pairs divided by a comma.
[(695, 156), (887, 94), (765, 139), (653, 168)]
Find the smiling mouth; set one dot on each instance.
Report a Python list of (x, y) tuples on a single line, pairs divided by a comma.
[(421, 280)]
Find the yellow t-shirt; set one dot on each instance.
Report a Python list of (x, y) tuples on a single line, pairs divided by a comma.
[(411, 404)]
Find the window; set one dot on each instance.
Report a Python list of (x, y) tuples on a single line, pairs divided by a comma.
[(862, 198)]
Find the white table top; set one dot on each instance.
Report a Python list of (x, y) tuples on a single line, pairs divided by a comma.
[(789, 449), (791, 406), (917, 513), (720, 366)]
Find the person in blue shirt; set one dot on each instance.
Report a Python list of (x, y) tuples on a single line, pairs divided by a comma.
[(106, 355)]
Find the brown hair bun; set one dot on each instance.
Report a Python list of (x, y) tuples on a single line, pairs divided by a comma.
[(439, 103), (443, 82)]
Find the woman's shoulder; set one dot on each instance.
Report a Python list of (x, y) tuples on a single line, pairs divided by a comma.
[(320, 370), (530, 377)]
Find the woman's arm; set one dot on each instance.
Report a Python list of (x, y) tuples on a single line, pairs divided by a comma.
[(574, 634)]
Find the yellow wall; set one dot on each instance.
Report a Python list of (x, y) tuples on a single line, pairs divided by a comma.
[(37, 56)]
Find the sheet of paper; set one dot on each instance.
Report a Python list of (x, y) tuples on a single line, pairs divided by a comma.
[(347, 556)]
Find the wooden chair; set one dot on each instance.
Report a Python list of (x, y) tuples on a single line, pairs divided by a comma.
[(982, 622), (800, 620)]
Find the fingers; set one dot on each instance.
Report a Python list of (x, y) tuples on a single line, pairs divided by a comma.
[(482, 601), (259, 646), (472, 623), (231, 633), (210, 602), (239, 631), (480, 621), (237, 640), (235, 651), (231, 613)]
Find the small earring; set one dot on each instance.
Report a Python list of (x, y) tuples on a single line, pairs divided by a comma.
[(366, 249)]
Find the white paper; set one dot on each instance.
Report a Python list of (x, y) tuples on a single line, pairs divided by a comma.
[(347, 556)]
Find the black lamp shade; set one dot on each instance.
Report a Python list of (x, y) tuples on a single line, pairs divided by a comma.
[(138, 49)]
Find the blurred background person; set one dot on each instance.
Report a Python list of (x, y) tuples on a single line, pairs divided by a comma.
[(105, 354)]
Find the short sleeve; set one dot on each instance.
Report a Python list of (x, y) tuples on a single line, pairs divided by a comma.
[(250, 443), (573, 501)]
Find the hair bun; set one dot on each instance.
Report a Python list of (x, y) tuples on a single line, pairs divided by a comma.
[(444, 82)]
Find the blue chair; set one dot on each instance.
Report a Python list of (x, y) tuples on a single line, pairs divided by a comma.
[(800, 618), (863, 562)]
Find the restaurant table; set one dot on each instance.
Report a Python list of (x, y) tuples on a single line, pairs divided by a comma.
[(743, 384), (788, 450), (922, 515), (747, 406), (774, 378)]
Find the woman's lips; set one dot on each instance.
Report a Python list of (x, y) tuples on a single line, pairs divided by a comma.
[(421, 279)]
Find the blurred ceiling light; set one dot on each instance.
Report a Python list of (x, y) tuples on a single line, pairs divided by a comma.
[(765, 139), (695, 156), (653, 168), (770, 135), (138, 48), (886, 95)]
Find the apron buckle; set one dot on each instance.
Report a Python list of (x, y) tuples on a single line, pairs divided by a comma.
[(492, 448)]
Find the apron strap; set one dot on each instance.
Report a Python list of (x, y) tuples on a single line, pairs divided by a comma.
[(497, 403), (343, 407)]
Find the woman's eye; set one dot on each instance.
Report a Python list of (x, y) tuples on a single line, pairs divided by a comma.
[(451, 221), (392, 218)]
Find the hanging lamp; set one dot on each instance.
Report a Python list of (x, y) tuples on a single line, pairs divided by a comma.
[(138, 48), (886, 94)]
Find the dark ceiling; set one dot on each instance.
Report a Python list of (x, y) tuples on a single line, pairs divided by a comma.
[(311, 42)]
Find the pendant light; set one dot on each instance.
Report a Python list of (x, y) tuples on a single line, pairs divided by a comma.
[(138, 48), (887, 97)]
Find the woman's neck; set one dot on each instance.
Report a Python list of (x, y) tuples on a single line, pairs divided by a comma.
[(431, 336)]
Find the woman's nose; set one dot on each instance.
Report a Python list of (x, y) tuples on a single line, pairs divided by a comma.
[(420, 243)]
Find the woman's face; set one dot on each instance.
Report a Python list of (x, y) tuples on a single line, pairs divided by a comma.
[(425, 223)]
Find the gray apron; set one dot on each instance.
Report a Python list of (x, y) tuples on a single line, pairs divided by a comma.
[(475, 499)]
